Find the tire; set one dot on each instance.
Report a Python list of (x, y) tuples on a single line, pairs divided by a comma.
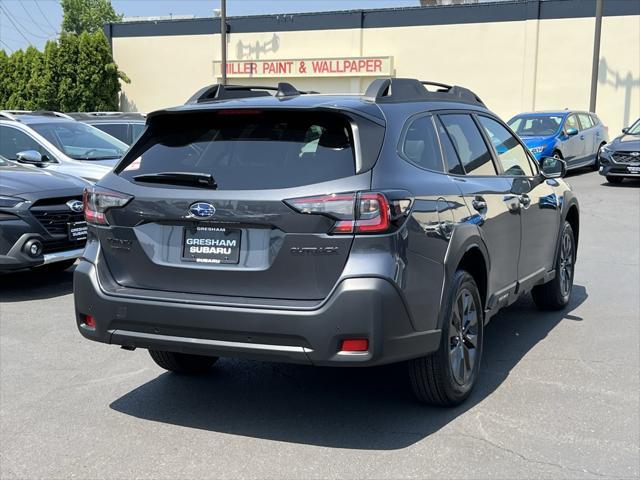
[(182, 362), (56, 267), (557, 154), (555, 294), (596, 163), (611, 179), (443, 378)]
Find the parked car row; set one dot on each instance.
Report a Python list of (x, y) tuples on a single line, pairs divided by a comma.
[(46, 161), (581, 140)]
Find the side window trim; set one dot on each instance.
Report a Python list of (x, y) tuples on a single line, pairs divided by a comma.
[(494, 153), (403, 137)]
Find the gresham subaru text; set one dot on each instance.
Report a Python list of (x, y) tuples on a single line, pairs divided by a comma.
[(326, 230)]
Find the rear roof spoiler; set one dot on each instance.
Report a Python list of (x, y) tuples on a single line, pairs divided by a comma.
[(394, 90), (217, 91)]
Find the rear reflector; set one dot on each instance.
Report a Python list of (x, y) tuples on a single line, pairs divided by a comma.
[(89, 321), (355, 345)]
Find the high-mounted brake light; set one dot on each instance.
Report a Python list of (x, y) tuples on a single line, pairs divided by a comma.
[(239, 111), (367, 212), (97, 200)]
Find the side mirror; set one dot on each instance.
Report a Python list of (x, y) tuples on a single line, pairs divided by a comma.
[(572, 131), (552, 167), (625, 130), (32, 157)]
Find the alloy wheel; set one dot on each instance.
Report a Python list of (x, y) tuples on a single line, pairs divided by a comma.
[(463, 337), (566, 264)]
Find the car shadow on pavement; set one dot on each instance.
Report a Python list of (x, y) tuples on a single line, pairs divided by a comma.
[(368, 408), (35, 285), (626, 183)]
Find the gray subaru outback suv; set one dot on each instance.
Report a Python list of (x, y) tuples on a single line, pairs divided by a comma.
[(326, 230)]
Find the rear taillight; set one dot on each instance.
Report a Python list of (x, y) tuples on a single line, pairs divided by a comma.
[(367, 212), (97, 200)]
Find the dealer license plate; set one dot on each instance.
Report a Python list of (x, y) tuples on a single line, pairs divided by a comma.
[(211, 245), (77, 231)]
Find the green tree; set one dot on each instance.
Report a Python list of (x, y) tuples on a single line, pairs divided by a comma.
[(19, 73), (48, 82), (5, 78), (34, 70), (97, 76), (87, 15), (67, 65)]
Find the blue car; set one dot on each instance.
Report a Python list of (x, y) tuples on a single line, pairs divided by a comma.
[(576, 137)]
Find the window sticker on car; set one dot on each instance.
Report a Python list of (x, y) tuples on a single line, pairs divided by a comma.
[(135, 165)]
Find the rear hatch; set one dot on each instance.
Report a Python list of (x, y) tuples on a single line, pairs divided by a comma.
[(213, 210)]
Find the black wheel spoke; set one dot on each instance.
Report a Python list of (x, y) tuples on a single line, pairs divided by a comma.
[(463, 337)]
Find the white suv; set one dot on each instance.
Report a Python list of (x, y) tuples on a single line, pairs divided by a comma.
[(56, 141)]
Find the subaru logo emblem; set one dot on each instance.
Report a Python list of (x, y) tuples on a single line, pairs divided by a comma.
[(75, 205), (202, 210)]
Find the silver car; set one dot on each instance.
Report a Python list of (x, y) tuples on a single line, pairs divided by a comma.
[(57, 142)]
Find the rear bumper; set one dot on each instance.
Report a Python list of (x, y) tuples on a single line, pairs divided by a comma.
[(368, 308)]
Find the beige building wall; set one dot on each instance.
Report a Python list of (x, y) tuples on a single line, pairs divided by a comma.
[(513, 66), (619, 72)]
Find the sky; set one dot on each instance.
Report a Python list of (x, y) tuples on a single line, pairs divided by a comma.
[(32, 22)]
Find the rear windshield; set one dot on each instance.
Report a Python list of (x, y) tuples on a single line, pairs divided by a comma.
[(247, 150)]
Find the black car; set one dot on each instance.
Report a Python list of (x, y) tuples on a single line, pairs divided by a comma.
[(126, 127), (41, 219), (325, 230), (620, 158)]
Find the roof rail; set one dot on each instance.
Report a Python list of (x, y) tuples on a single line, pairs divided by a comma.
[(125, 115), (11, 114), (52, 114), (217, 91), (8, 114), (390, 90)]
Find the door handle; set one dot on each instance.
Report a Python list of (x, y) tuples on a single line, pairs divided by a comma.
[(525, 200), (479, 204), (581, 137), (513, 202)]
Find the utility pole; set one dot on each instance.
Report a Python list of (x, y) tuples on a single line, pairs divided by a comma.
[(223, 40), (596, 56)]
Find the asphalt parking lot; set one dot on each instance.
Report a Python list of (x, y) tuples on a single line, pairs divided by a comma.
[(558, 396)]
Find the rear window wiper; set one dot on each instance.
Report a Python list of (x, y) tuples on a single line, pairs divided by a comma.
[(188, 179)]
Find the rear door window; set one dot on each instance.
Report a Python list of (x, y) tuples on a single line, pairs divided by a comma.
[(420, 145), (585, 121), (510, 153), (469, 144), (117, 130), (248, 150), (136, 131)]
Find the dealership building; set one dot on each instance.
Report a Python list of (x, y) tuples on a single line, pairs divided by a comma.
[(518, 55)]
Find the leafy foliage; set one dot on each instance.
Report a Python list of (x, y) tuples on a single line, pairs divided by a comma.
[(75, 73), (80, 16)]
